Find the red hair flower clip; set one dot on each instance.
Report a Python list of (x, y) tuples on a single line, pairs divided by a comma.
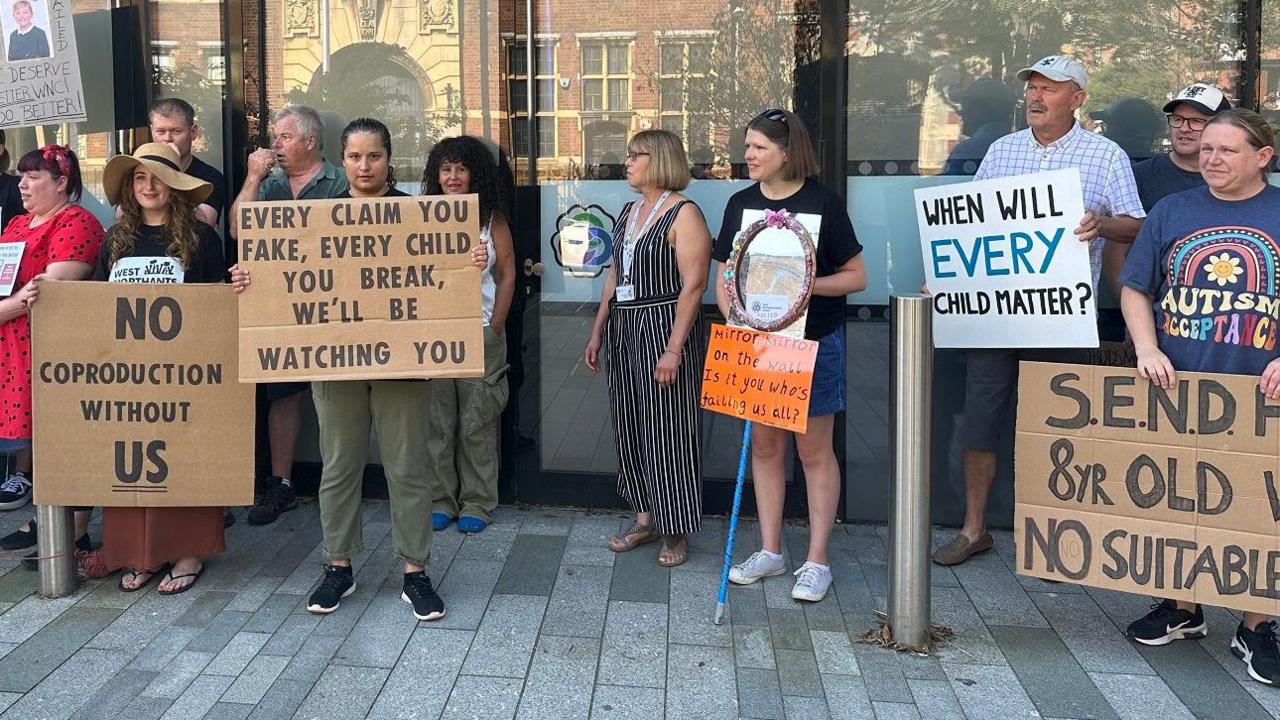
[(57, 154)]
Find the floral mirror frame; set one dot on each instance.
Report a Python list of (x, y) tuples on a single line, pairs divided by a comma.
[(733, 277)]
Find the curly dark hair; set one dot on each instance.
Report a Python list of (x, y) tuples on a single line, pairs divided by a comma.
[(486, 181)]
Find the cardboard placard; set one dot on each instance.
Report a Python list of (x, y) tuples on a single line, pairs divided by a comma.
[(39, 68), (1123, 485), (759, 376), (1004, 265), (360, 289), (139, 406)]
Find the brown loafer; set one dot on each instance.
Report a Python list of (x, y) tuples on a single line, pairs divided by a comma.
[(961, 548)]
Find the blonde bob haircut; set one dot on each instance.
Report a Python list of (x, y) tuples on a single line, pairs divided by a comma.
[(668, 165)]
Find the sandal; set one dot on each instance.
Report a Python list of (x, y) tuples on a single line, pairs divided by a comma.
[(635, 536), (168, 576), (675, 551), (135, 574)]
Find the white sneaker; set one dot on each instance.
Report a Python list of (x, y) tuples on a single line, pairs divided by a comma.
[(759, 565), (812, 582)]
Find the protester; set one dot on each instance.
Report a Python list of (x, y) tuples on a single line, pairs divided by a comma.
[(1179, 169), (346, 410), (10, 199), (303, 174), (62, 241), (28, 41), (173, 121), (463, 414), (651, 307), (1133, 124), (1056, 88), (1235, 218), (158, 229), (780, 158)]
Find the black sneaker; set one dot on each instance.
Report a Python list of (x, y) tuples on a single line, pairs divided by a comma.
[(336, 584), (31, 563), (1166, 623), (15, 491), (227, 519), (20, 539), (418, 592), (1257, 648), (277, 499)]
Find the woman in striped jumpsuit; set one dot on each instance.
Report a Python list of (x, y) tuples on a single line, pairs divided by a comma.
[(651, 307)]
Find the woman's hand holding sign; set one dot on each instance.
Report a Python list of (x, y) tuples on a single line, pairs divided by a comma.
[(1270, 382), (1155, 366)]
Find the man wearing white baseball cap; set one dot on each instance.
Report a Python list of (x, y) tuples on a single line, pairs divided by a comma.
[(1179, 169), (1056, 88)]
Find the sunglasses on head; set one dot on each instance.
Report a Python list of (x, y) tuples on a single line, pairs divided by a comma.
[(773, 114)]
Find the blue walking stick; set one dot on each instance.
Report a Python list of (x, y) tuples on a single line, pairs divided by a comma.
[(733, 523)]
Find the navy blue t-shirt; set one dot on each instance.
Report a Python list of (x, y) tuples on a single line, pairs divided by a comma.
[(1211, 268), (1159, 178)]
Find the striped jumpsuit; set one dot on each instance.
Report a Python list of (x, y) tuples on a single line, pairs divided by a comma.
[(656, 428)]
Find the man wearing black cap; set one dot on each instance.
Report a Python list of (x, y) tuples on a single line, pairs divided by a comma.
[(1179, 169)]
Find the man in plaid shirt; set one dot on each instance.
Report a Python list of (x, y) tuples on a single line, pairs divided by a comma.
[(1056, 89)]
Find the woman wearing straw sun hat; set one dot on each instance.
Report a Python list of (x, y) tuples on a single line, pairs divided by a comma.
[(157, 239)]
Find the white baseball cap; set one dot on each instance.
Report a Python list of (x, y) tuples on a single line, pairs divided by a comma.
[(1205, 98), (1059, 68)]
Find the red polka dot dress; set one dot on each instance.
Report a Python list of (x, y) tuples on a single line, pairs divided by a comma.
[(72, 234)]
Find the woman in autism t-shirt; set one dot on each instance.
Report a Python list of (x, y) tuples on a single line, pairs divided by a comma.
[(1200, 295), (781, 161), (158, 239)]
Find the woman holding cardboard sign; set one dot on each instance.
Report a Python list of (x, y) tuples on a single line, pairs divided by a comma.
[(60, 241), (347, 410), (157, 239), (780, 159), (463, 413), (1205, 264)]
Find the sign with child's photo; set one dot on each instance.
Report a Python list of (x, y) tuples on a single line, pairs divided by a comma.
[(40, 66), (1003, 264)]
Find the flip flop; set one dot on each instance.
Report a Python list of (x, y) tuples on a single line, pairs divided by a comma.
[(170, 576), (633, 537), (677, 550), (136, 573)]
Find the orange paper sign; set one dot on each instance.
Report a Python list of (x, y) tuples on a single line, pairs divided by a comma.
[(759, 376)]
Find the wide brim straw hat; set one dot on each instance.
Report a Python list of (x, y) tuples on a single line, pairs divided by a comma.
[(162, 160)]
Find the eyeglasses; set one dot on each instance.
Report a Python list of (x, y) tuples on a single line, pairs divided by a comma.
[(773, 114), (632, 155), (1177, 121)]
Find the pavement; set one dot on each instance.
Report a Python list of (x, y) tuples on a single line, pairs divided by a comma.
[(545, 622)]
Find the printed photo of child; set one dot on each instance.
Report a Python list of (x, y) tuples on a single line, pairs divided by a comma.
[(26, 24)]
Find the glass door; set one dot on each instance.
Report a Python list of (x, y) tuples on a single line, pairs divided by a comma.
[(597, 72)]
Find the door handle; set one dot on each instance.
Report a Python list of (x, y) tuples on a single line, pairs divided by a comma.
[(533, 268)]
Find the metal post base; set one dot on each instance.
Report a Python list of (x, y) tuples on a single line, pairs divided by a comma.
[(55, 527)]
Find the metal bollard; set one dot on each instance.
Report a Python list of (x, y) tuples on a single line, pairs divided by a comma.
[(55, 527), (911, 406)]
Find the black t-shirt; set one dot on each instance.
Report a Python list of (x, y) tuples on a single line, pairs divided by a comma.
[(10, 201), (837, 243), (206, 264), (393, 192), (204, 171), (1158, 178)]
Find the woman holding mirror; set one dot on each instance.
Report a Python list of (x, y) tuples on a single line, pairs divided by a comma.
[(781, 160), (651, 306)]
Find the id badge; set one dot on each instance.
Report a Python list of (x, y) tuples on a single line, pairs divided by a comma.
[(625, 293)]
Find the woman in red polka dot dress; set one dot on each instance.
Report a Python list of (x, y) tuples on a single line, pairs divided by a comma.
[(61, 242)]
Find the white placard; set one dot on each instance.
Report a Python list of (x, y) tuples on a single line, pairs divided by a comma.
[(151, 270), (10, 259), (40, 66), (1003, 263)]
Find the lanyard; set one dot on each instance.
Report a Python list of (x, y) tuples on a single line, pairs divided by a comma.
[(629, 240)]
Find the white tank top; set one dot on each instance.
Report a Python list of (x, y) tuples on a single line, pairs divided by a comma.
[(488, 289)]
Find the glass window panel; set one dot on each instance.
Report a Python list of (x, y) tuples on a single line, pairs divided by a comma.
[(592, 60), (672, 98), (672, 59), (520, 137), (699, 58), (618, 64), (519, 96), (546, 95), (618, 95), (546, 136), (546, 61), (592, 94), (674, 123), (517, 62)]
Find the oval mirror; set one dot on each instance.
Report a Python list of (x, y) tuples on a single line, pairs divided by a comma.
[(769, 277)]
